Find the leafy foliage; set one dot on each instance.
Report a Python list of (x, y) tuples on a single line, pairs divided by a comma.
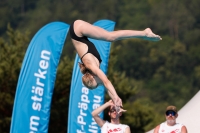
[(148, 76), (12, 52)]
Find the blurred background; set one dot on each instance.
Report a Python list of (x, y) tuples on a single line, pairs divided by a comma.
[(148, 76)]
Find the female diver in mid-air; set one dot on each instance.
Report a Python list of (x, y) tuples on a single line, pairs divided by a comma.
[(93, 76)]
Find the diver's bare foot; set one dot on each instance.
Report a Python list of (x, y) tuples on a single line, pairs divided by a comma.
[(151, 36)]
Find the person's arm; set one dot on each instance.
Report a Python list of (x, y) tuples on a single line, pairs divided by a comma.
[(108, 85), (156, 129), (183, 129), (127, 130), (97, 111)]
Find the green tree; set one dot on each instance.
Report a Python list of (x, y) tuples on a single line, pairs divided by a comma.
[(147, 75), (11, 55), (138, 116)]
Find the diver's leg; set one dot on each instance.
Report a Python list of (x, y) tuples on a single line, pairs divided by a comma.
[(83, 28)]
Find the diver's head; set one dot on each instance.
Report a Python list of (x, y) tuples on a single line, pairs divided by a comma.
[(89, 81)]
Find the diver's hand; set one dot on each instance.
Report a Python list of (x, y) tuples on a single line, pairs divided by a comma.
[(118, 102), (121, 110), (118, 109)]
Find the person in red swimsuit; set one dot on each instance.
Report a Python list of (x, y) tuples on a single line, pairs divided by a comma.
[(90, 66)]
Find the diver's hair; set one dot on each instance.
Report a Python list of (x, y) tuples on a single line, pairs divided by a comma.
[(85, 83), (82, 68)]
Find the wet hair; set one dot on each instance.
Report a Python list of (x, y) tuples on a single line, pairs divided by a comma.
[(86, 72)]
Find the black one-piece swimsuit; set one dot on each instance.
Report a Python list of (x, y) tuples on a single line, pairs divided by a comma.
[(91, 47)]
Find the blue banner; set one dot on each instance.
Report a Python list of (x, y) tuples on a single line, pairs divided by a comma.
[(36, 81), (82, 100)]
